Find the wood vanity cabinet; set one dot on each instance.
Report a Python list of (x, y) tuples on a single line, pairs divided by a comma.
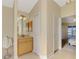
[(25, 45)]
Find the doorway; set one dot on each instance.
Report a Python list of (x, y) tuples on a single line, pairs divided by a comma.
[(68, 30)]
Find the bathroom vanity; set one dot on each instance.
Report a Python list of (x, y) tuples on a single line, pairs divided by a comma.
[(24, 39), (25, 45)]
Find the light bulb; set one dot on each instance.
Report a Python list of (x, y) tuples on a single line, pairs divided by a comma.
[(20, 17), (24, 18)]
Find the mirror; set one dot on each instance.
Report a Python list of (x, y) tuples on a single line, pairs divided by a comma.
[(30, 26), (24, 25)]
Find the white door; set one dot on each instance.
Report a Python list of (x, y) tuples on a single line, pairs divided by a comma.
[(36, 33)]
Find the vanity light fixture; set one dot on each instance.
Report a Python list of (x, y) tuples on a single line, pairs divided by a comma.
[(22, 17)]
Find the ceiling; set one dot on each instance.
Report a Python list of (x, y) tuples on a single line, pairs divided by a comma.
[(61, 3), (23, 5), (27, 5)]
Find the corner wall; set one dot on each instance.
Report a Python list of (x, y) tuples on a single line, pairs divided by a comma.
[(41, 7), (53, 16)]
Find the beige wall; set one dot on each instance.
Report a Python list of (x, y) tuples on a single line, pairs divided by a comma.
[(68, 10), (44, 27), (7, 21), (53, 12)]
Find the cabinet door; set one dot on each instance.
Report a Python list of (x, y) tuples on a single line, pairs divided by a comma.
[(25, 46), (22, 48), (29, 46)]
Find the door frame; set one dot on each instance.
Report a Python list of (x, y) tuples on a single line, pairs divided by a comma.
[(60, 33)]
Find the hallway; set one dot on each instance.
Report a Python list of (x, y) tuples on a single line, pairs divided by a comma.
[(68, 52)]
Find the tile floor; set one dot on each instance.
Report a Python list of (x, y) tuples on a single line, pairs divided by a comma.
[(29, 56), (68, 52)]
